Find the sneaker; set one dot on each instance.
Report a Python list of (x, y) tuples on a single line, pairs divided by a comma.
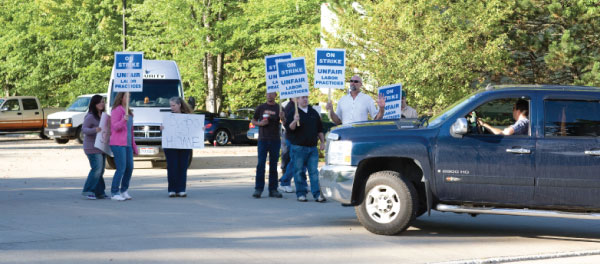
[(257, 194), (302, 198), (286, 189), (126, 195), (320, 199), (181, 194), (117, 197), (171, 194), (275, 194), (90, 197)]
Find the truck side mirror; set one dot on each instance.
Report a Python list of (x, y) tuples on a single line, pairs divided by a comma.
[(459, 128), (4, 109)]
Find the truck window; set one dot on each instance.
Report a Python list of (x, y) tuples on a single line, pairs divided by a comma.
[(81, 104), (497, 113), (156, 93), (12, 105), (29, 104), (570, 118)]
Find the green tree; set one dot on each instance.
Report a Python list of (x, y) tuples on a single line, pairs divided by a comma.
[(555, 42), (439, 50)]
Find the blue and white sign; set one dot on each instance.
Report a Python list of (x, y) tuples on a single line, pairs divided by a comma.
[(271, 67), (128, 72), (330, 68), (393, 100), (293, 81)]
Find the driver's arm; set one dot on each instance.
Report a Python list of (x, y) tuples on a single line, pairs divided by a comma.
[(496, 131)]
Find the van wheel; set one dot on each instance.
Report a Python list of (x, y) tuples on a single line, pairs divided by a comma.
[(80, 135), (390, 203), (110, 163), (159, 164), (61, 140)]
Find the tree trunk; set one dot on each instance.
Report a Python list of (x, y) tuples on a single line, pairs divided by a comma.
[(219, 82), (209, 70)]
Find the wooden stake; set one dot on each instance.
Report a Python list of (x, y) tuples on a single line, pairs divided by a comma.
[(296, 104), (127, 104)]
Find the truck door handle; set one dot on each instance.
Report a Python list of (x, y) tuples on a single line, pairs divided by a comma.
[(37, 113), (592, 152), (19, 113), (519, 151)]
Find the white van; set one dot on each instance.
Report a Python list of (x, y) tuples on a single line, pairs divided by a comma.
[(161, 82), (70, 120)]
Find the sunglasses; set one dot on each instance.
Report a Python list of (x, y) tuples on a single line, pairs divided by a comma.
[(354, 81)]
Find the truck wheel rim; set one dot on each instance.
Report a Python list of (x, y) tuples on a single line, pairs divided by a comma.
[(222, 138), (382, 204)]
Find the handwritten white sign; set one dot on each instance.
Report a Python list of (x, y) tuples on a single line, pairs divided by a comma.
[(103, 137), (182, 131)]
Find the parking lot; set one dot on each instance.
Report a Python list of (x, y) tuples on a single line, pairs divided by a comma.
[(44, 219)]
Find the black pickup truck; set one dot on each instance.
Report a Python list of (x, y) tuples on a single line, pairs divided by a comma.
[(394, 171)]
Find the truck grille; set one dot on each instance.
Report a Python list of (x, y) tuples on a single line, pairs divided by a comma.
[(53, 123), (146, 132)]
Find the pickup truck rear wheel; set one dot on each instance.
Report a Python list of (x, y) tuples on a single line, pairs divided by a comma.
[(389, 204)]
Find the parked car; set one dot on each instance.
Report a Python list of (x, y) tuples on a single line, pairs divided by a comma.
[(222, 130), (393, 171), (65, 125), (22, 114)]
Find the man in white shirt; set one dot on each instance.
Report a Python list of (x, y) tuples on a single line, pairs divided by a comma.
[(407, 111), (356, 106)]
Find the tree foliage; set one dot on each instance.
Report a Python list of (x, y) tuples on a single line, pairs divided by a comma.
[(443, 50), (439, 50)]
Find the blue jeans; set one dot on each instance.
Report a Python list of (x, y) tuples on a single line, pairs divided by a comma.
[(124, 164), (307, 157), (95, 181), (272, 148), (177, 166), (286, 179)]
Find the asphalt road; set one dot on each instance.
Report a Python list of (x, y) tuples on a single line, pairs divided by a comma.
[(44, 219)]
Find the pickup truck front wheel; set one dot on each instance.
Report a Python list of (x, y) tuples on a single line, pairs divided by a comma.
[(389, 205)]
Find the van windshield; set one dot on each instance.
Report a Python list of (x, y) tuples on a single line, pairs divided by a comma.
[(156, 93), (81, 104)]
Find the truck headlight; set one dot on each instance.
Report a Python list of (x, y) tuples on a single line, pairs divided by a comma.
[(339, 152), (68, 122)]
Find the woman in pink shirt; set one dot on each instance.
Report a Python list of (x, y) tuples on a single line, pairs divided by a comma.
[(123, 147)]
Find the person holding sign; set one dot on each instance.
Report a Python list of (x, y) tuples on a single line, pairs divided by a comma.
[(304, 147), (266, 118), (123, 146), (177, 159), (407, 111), (356, 106), (94, 185)]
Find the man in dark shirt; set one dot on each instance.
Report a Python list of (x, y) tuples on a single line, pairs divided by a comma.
[(285, 181), (303, 138), (266, 118)]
